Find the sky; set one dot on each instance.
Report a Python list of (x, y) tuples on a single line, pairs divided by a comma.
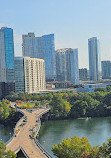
[(72, 22)]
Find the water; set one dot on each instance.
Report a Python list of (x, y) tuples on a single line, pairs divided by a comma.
[(97, 130), (5, 133)]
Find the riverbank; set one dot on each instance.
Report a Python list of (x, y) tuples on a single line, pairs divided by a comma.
[(11, 120)]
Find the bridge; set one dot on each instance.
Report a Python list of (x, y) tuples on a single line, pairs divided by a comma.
[(25, 132)]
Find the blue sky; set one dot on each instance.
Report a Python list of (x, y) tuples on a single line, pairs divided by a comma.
[(72, 22)]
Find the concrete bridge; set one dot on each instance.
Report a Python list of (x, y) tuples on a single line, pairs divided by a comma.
[(25, 132)]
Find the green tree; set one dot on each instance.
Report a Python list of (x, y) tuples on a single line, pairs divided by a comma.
[(4, 154), (108, 88), (78, 109), (75, 147), (59, 107)]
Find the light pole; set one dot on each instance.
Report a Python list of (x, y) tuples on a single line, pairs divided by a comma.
[(10, 134)]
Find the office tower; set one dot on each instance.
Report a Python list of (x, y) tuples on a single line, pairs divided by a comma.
[(19, 74), (6, 55), (61, 73), (41, 47), (106, 69), (94, 59), (34, 72), (83, 74), (67, 65), (29, 75)]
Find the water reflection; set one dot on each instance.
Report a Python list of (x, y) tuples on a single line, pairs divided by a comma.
[(5, 133)]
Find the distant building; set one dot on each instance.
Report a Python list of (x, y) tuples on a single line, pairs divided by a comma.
[(83, 74), (29, 75), (61, 67), (41, 47), (67, 65), (6, 55), (106, 69), (94, 59), (19, 74)]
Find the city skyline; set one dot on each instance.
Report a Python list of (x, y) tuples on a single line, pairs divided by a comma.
[(72, 28)]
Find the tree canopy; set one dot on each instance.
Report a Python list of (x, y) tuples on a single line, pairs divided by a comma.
[(76, 147), (4, 154)]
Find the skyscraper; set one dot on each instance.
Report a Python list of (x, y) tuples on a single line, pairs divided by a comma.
[(61, 73), (83, 74), (94, 59), (19, 74), (6, 55), (29, 75), (106, 69), (67, 65), (34, 72), (43, 48)]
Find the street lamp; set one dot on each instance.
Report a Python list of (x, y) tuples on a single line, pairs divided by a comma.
[(10, 134)]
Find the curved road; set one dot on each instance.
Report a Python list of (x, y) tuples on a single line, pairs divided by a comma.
[(22, 139)]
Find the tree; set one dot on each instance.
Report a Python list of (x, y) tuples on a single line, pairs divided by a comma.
[(78, 109), (100, 89), (59, 107), (108, 88), (4, 154), (75, 147)]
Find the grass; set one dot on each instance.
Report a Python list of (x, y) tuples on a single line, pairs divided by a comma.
[(26, 105)]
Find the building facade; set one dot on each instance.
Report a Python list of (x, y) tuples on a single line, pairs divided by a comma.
[(94, 59), (6, 88), (106, 69), (67, 65), (41, 47), (19, 74), (6, 55), (34, 74), (61, 73), (83, 74), (29, 75)]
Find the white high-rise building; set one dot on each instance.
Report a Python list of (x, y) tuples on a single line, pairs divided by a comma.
[(94, 59), (29, 75), (34, 75)]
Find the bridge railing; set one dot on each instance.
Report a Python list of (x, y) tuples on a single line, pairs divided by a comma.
[(44, 151), (15, 127), (26, 155), (23, 151)]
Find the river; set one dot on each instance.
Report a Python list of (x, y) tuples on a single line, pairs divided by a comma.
[(5, 133), (97, 130)]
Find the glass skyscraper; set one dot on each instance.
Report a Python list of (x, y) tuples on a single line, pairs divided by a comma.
[(106, 69), (6, 55), (94, 59), (67, 65), (43, 48), (19, 74)]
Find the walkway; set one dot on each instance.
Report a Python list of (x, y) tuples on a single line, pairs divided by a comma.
[(23, 139)]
